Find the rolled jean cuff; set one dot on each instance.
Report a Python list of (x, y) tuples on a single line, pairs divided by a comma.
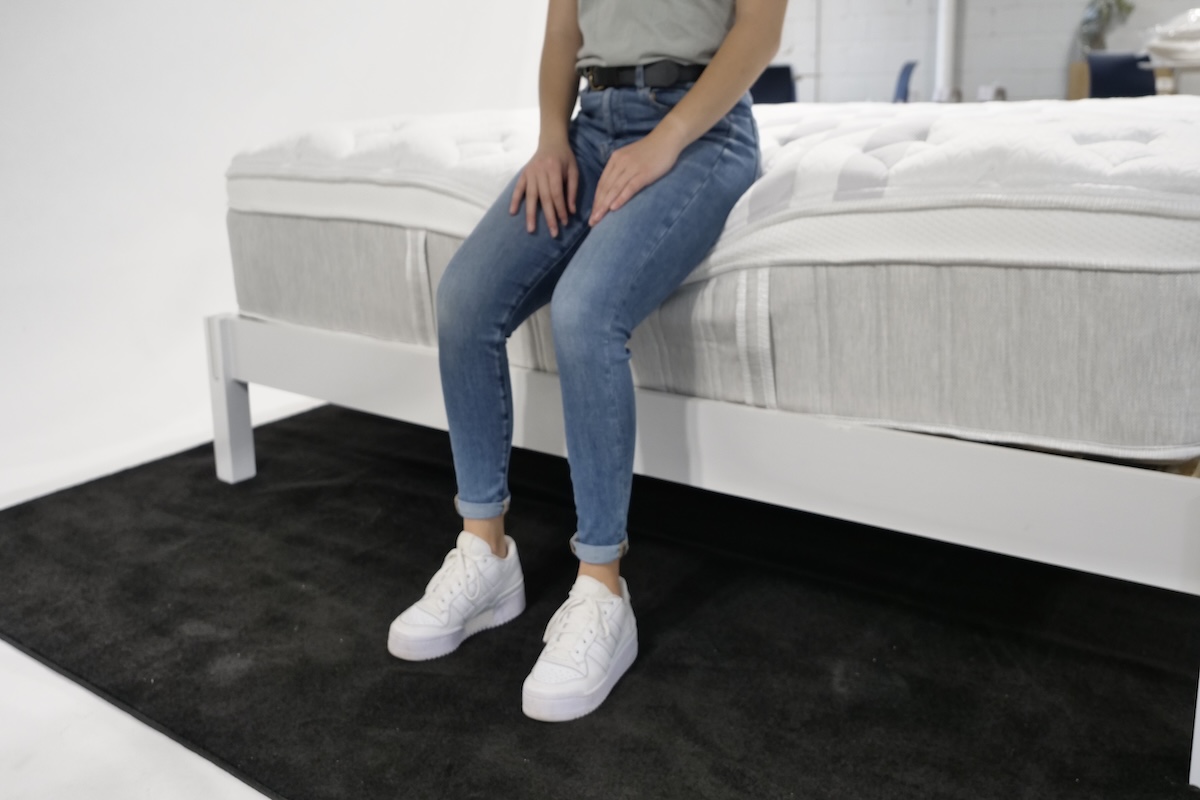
[(481, 510), (598, 553)]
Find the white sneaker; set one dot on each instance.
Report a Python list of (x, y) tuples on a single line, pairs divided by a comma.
[(590, 642), (474, 590)]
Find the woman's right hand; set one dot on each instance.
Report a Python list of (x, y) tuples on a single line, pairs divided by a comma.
[(542, 181)]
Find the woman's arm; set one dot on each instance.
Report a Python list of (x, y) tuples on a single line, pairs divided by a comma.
[(746, 51), (553, 164)]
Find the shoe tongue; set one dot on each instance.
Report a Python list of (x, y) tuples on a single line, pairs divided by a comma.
[(587, 586), (472, 545)]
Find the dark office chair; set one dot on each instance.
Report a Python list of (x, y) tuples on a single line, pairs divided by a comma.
[(1119, 75), (775, 85), (902, 82)]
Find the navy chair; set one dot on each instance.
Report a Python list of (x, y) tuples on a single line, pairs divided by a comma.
[(1119, 75), (775, 85), (902, 82)]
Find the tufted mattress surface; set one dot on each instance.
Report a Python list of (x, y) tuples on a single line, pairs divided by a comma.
[(1025, 273)]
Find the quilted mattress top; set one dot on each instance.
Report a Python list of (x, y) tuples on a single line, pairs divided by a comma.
[(1136, 157), (1141, 151)]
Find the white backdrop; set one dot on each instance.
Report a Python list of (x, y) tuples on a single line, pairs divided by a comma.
[(117, 121), (118, 118)]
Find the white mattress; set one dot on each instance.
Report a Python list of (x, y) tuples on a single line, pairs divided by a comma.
[(977, 270)]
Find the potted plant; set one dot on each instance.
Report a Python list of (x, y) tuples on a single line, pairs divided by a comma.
[(1098, 15)]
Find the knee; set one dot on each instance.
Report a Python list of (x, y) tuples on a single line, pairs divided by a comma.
[(459, 308), (582, 327)]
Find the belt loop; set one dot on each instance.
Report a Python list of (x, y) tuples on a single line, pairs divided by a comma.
[(639, 74)]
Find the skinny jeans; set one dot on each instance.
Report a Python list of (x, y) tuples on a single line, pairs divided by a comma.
[(601, 283)]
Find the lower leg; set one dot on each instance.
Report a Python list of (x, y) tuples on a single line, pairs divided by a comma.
[(609, 574), (491, 531)]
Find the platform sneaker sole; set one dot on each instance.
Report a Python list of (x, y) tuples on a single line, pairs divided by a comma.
[(561, 708), (411, 646)]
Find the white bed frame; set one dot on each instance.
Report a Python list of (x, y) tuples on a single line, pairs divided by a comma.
[(1134, 524)]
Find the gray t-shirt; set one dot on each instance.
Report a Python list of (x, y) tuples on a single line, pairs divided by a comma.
[(618, 33)]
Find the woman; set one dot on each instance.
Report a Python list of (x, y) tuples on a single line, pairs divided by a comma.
[(606, 220)]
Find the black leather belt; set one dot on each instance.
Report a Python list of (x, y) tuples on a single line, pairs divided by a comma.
[(659, 74)]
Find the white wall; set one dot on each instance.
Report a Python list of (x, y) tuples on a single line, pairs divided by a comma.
[(118, 120), (1023, 45)]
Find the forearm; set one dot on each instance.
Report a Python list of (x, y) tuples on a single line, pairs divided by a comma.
[(558, 84), (747, 50)]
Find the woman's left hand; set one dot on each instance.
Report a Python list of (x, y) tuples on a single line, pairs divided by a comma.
[(631, 169)]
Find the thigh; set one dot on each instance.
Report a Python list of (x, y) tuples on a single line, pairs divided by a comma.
[(502, 273), (637, 256)]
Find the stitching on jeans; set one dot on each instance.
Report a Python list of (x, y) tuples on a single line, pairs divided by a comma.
[(671, 225), (649, 257), (567, 254), (505, 321)]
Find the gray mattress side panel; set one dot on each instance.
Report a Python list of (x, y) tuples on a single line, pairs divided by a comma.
[(690, 344), (1092, 362), (439, 248), (1068, 355), (342, 275)]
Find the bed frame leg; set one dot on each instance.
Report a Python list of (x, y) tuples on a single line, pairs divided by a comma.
[(233, 435)]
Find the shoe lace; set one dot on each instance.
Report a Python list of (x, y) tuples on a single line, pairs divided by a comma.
[(574, 626), (458, 573)]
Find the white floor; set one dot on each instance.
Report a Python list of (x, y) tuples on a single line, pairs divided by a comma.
[(57, 739)]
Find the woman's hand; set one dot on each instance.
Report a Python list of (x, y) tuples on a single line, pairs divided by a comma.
[(542, 181), (631, 169), (746, 50)]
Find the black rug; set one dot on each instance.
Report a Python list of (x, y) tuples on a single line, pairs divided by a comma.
[(783, 655)]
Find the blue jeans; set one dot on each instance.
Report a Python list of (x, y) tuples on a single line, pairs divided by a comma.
[(600, 283)]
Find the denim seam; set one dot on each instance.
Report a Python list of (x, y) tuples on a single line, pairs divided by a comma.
[(674, 220), (567, 254), (649, 257)]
